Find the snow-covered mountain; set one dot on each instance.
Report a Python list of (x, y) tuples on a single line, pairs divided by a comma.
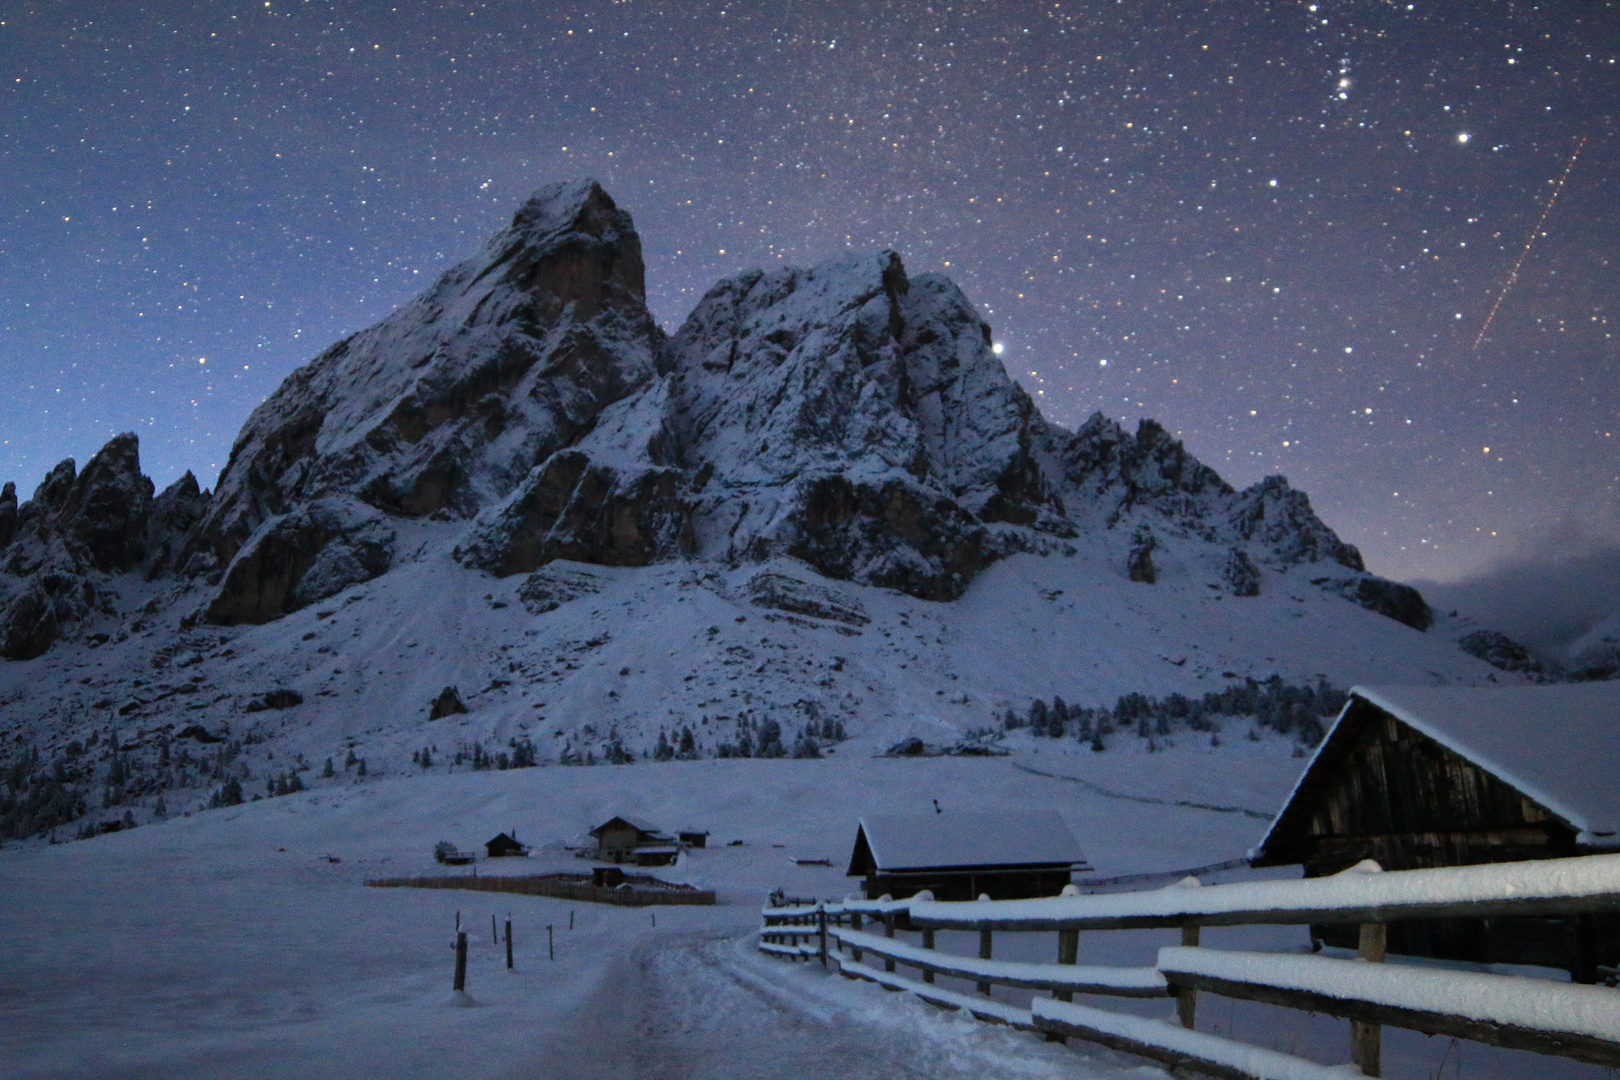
[(822, 498)]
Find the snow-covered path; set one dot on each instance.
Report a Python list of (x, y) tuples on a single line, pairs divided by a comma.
[(701, 1005)]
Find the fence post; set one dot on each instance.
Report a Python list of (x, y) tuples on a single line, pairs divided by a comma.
[(888, 932), (821, 932), (461, 960), (1187, 997), (551, 943), (928, 943), (984, 954), (1366, 1040), (508, 943), (1068, 953), (855, 924), (494, 934)]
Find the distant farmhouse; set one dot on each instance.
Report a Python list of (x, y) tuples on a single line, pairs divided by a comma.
[(1421, 777), (962, 856), (622, 840), (504, 846)]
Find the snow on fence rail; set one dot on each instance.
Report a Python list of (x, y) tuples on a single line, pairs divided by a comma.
[(1576, 1021)]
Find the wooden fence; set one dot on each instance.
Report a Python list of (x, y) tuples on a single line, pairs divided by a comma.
[(558, 887), (1576, 1021)]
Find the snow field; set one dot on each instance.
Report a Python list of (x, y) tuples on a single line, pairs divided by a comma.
[(199, 947)]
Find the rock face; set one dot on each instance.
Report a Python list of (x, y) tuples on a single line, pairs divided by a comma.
[(1596, 654), (1400, 602), (768, 589), (80, 528), (175, 512), (856, 419), (1500, 651), (8, 514), (1240, 574), (306, 555), (449, 403), (847, 415)]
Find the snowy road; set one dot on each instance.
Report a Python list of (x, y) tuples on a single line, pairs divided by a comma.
[(698, 1006)]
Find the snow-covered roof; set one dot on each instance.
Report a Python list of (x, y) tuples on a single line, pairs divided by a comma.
[(1558, 745), (933, 841), (639, 824)]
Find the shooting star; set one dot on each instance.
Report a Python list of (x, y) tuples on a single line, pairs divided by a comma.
[(1513, 276)]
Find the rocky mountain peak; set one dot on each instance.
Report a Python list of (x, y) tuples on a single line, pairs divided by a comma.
[(104, 513), (447, 404), (844, 414)]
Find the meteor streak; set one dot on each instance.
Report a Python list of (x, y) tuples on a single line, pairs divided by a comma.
[(1513, 276)]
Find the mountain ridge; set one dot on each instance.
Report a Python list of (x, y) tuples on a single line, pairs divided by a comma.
[(844, 414), (821, 500)]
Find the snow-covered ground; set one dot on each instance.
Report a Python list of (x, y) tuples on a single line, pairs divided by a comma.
[(242, 942), (627, 652)]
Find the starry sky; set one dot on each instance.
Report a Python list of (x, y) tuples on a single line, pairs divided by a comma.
[(1372, 246)]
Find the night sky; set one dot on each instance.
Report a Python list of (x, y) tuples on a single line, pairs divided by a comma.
[(1278, 229)]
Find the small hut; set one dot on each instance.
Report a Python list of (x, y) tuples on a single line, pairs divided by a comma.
[(622, 839), (504, 846), (693, 837), (963, 856), (1417, 777)]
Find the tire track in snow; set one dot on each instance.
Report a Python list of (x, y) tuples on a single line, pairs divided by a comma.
[(1150, 800)]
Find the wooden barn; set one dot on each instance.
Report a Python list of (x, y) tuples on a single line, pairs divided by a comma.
[(623, 839), (1417, 777), (504, 846), (962, 856)]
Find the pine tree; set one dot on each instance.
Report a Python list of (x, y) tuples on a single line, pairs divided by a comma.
[(770, 740), (328, 772), (663, 751), (1037, 717)]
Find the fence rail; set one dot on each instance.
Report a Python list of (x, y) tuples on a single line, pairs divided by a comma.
[(1567, 1020)]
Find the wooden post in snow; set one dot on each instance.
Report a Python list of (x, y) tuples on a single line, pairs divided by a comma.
[(1068, 953), (509, 943), (821, 932), (494, 934), (461, 961), (1187, 997), (928, 943), (888, 932), (1366, 1040), (984, 954), (855, 924)]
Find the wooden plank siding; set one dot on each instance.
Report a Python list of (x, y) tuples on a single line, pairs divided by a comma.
[(1382, 790)]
